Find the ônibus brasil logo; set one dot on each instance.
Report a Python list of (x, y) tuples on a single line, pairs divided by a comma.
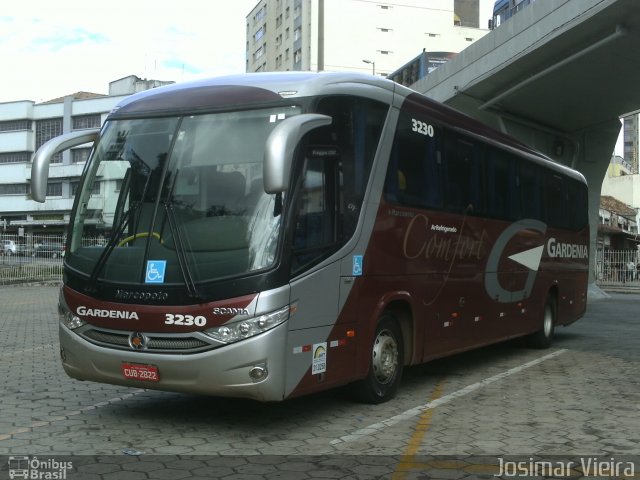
[(35, 468)]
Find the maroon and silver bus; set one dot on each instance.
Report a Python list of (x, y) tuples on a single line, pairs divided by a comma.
[(272, 235)]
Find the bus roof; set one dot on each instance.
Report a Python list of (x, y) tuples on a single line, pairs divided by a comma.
[(247, 88), (255, 88)]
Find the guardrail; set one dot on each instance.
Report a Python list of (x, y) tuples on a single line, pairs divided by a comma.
[(21, 272), (34, 258), (617, 268)]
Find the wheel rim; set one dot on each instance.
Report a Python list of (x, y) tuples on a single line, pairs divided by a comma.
[(385, 356), (548, 321)]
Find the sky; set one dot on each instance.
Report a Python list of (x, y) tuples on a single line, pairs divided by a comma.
[(52, 48)]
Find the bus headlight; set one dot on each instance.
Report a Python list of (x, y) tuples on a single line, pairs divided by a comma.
[(233, 332), (67, 317)]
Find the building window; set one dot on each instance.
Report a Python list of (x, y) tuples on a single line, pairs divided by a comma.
[(15, 125), (45, 131), (297, 33), (258, 53), (54, 189), (96, 187), (15, 157), (13, 189), (260, 33), (297, 56), (87, 121), (279, 21), (260, 14), (79, 155)]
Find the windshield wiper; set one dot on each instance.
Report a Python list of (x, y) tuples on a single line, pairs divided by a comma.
[(179, 243), (111, 244), (117, 231), (182, 260)]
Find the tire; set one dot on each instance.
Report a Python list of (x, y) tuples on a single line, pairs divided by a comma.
[(544, 337), (386, 363)]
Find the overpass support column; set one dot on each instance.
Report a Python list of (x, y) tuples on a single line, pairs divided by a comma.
[(595, 147)]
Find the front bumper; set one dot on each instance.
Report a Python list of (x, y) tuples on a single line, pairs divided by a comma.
[(223, 371)]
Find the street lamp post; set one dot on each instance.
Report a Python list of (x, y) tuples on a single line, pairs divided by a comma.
[(372, 63)]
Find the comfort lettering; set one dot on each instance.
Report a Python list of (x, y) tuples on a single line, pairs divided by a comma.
[(440, 243)]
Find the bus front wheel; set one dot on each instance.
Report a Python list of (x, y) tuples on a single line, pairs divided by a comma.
[(386, 362), (543, 337)]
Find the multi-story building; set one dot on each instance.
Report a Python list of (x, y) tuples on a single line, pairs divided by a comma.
[(24, 127), (621, 189), (632, 141), (338, 35), (618, 226)]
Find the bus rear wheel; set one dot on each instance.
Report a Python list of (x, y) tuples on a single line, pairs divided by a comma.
[(543, 337), (386, 363)]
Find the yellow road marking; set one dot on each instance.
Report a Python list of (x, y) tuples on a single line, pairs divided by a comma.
[(407, 461)]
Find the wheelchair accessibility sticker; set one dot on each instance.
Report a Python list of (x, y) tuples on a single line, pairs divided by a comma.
[(357, 265), (155, 271)]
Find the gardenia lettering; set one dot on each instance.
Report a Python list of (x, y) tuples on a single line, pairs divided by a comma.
[(566, 250), (98, 312)]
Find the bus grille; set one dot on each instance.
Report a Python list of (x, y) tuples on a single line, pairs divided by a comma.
[(155, 344)]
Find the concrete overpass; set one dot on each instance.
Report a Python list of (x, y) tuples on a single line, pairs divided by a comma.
[(557, 75)]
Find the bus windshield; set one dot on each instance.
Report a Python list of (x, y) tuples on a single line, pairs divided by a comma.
[(177, 200)]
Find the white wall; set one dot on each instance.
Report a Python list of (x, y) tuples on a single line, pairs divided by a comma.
[(354, 31), (625, 188)]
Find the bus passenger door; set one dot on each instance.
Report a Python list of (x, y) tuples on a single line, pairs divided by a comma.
[(317, 354)]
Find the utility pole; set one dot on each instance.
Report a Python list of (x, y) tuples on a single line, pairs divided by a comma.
[(320, 35)]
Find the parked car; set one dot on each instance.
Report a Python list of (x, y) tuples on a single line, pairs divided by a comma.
[(11, 247), (49, 250)]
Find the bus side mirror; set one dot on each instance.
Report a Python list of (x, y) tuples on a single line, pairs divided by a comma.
[(42, 158), (280, 146)]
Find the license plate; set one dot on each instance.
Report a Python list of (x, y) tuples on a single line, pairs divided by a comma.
[(136, 371)]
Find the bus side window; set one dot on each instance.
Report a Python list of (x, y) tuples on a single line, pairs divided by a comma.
[(577, 201), (530, 191), (335, 171), (555, 200), (463, 179), (315, 234), (414, 175), (503, 201)]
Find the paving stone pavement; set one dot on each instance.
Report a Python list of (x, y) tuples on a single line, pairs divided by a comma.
[(453, 418)]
